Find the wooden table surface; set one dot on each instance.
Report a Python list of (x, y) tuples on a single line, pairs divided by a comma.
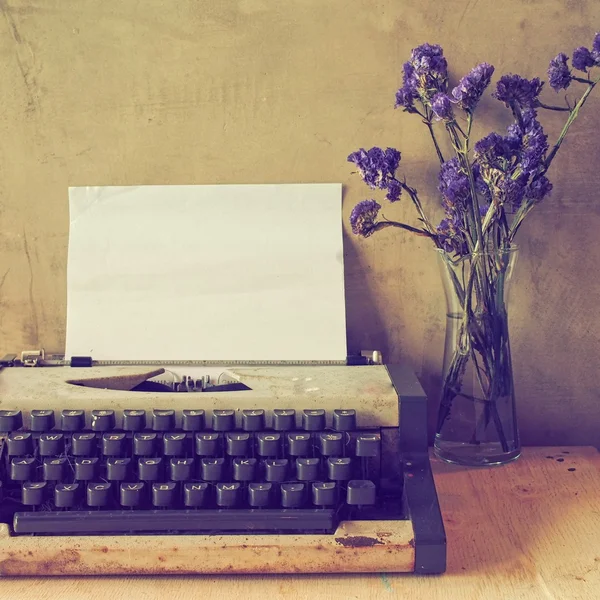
[(529, 530)]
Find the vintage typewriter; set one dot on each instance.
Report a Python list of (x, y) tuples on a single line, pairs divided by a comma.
[(196, 468)]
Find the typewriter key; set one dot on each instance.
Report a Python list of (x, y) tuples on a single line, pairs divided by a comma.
[(181, 469), (223, 420), (284, 420), (192, 420), (85, 468), (150, 469), (244, 468), (307, 469), (228, 494), (66, 495), (195, 494), (344, 420), (131, 494), (98, 494), (20, 443), (51, 444), (313, 420), (331, 444), (103, 420), (83, 444), (292, 495), (10, 420), (253, 420), (72, 420), (54, 469), (339, 469), (23, 468), (360, 492), (259, 494), (42, 420), (163, 494), (134, 420), (33, 492), (324, 493), (163, 420), (117, 469), (237, 444)]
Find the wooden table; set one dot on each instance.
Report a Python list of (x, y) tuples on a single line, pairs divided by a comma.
[(529, 530)]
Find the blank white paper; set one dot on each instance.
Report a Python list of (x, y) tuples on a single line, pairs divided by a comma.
[(206, 272)]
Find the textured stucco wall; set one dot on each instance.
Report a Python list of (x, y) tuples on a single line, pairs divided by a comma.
[(251, 91)]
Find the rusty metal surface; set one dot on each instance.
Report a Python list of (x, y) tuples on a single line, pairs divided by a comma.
[(374, 546)]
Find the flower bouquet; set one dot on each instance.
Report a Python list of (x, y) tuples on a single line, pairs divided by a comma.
[(487, 189)]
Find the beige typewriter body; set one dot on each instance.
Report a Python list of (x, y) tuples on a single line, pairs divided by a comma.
[(365, 546)]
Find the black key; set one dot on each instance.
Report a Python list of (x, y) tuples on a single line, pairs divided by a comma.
[(344, 420), (51, 444), (144, 443), (23, 468), (131, 494), (55, 469), (174, 444), (72, 420), (253, 420), (134, 420), (81, 522), (33, 492), (259, 494), (20, 443), (181, 469), (192, 420), (42, 420), (228, 494), (284, 419), (223, 420), (324, 493), (208, 444), (299, 444), (339, 469), (117, 469), (163, 420), (268, 444), (368, 444), (292, 495), (163, 494), (313, 420), (195, 494), (307, 469), (83, 444), (360, 492), (237, 444), (98, 494), (150, 469), (244, 468), (103, 420), (276, 469), (212, 469), (113, 444), (331, 444), (85, 468), (66, 495), (10, 420)]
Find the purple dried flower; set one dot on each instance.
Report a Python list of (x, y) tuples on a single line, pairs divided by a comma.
[(425, 74), (538, 189), (453, 185), (559, 75), (493, 150), (513, 190), (376, 166), (516, 91), (534, 143), (362, 217), (470, 88), (582, 59), (394, 190), (596, 44), (449, 236), (441, 107)]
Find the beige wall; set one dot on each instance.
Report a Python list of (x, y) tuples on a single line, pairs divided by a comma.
[(251, 91)]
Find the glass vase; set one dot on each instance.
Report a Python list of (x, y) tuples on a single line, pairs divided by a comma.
[(477, 421)]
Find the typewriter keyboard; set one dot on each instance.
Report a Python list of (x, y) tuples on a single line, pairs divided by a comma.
[(75, 472)]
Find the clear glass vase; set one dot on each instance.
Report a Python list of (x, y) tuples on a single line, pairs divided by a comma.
[(477, 421)]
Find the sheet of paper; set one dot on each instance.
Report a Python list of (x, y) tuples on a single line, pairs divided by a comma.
[(206, 272)]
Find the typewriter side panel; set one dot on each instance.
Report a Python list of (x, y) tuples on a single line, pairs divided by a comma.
[(420, 496), (356, 547)]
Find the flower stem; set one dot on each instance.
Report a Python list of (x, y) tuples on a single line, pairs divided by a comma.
[(435, 143)]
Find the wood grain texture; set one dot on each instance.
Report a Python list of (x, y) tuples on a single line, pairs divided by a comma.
[(125, 92), (526, 531)]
